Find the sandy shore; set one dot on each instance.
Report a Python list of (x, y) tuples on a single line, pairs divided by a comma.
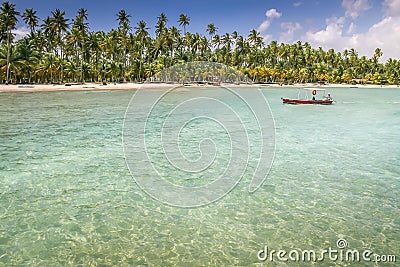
[(133, 86), (66, 87)]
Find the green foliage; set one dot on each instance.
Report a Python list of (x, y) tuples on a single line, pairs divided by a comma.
[(62, 50)]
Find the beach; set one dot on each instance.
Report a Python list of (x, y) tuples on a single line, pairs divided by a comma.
[(133, 86), (133, 134)]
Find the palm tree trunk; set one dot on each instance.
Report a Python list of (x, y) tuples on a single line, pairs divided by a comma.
[(140, 61), (8, 58), (82, 60), (62, 64), (62, 58)]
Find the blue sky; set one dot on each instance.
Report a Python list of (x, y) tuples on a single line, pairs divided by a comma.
[(339, 24)]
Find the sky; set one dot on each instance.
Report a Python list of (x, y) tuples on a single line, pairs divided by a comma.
[(339, 24)]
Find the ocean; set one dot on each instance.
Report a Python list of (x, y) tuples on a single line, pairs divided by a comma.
[(71, 193)]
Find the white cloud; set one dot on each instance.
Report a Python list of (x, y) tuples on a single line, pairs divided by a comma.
[(264, 26), (340, 33), (331, 36), (335, 21), (290, 28), (297, 4), (354, 8), (392, 7), (270, 14), (20, 32), (385, 34), (273, 14), (267, 38), (351, 28)]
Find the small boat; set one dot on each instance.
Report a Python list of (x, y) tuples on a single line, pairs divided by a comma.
[(305, 101), (313, 101)]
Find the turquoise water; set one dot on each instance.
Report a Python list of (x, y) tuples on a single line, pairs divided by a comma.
[(68, 198)]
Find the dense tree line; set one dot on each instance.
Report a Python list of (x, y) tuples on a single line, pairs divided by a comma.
[(61, 50)]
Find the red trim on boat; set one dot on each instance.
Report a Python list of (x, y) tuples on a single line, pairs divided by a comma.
[(306, 101)]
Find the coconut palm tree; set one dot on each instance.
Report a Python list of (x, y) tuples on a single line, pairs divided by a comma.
[(48, 34), (142, 34), (119, 53), (93, 45), (183, 21), (59, 25), (226, 48), (48, 67), (81, 28), (40, 42), (174, 40), (212, 30), (161, 24), (124, 27), (242, 50), (10, 59), (27, 52), (30, 18), (8, 20), (375, 58), (256, 43)]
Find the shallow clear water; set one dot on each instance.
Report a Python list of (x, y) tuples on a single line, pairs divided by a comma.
[(67, 197)]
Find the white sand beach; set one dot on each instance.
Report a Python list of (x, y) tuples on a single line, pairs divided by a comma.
[(133, 86)]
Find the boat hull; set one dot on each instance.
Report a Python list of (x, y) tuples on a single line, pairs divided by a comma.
[(306, 101)]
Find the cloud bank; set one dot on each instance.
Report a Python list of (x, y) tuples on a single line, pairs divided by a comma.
[(340, 32), (20, 32), (384, 34)]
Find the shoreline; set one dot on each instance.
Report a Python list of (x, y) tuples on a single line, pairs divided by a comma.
[(136, 86)]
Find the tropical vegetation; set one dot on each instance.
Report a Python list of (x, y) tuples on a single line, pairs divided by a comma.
[(58, 50)]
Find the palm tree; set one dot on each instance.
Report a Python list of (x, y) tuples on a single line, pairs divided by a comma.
[(30, 18), (141, 33), (124, 27), (226, 48), (161, 23), (93, 45), (216, 40), (8, 20), (81, 28), (119, 53), (242, 50), (375, 58), (10, 59), (203, 48), (27, 52), (174, 40), (82, 14), (73, 48), (48, 67), (256, 43), (59, 25), (235, 35), (40, 42), (255, 38), (211, 29), (48, 34), (183, 21), (123, 19)]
